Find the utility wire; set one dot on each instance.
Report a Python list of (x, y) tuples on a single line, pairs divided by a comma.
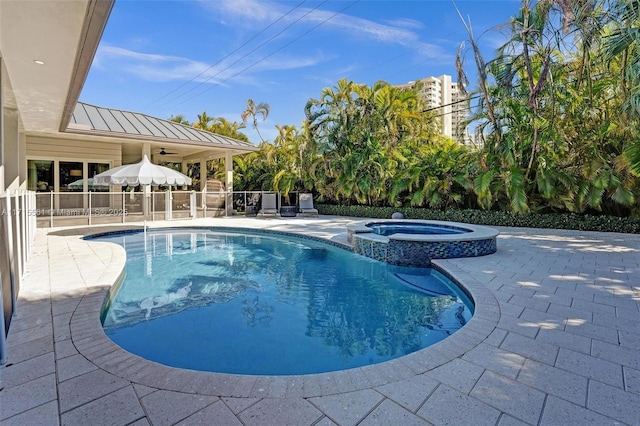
[(240, 59), (274, 52), (230, 54), (450, 104)]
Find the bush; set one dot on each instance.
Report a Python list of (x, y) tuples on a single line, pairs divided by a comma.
[(495, 218)]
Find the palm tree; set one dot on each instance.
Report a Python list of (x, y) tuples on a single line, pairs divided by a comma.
[(284, 156), (179, 119), (222, 126), (203, 121), (252, 110), (355, 134), (624, 42)]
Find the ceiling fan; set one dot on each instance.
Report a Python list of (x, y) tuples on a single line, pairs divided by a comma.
[(163, 152)]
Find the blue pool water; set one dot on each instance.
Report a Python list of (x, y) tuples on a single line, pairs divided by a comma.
[(269, 304), (390, 228)]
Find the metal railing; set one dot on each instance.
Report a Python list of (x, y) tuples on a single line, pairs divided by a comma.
[(54, 209)]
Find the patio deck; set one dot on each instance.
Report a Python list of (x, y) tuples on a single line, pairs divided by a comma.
[(555, 340)]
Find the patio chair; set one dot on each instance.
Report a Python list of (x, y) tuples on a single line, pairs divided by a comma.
[(269, 204), (306, 205)]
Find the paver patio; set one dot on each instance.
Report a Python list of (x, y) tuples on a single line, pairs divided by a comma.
[(555, 341)]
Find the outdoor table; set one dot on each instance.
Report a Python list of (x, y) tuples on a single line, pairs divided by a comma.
[(288, 211)]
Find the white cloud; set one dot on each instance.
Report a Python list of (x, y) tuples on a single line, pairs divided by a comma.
[(158, 67), (248, 10), (113, 51), (246, 13), (406, 23)]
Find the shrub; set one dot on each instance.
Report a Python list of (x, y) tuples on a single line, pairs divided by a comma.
[(495, 218)]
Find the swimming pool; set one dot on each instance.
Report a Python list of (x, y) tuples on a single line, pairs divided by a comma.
[(245, 302)]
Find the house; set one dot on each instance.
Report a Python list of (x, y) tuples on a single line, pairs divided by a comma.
[(49, 140)]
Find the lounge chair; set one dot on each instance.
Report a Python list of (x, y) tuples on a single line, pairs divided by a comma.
[(269, 204), (306, 205)]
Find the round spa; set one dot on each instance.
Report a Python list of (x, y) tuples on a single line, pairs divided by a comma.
[(416, 242)]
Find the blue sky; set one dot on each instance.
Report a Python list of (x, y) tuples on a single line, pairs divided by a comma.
[(165, 58)]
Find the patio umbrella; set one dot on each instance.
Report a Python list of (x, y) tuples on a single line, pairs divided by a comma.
[(79, 184), (142, 173)]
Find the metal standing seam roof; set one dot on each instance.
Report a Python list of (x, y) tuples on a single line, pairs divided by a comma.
[(134, 124)]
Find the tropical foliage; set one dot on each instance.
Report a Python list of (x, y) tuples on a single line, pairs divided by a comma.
[(359, 138), (556, 113), (559, 125), (219, 125)]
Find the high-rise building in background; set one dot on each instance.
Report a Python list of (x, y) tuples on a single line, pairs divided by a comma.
[(450, 104)]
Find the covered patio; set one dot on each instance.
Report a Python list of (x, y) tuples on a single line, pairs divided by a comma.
[(98, 139)]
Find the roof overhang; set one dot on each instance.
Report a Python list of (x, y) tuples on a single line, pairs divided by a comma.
[(128, 126), (98, 135), (64, 36)]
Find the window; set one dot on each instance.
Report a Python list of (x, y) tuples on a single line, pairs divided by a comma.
[(94, 169), (40, 175), (71, 177)]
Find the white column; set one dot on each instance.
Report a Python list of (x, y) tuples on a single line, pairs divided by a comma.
[(228, 167), (11, 154), (23, 174), (184, 168), (146, 150), (146, 197), (203, 182)]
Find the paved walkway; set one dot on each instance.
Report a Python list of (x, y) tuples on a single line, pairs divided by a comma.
[(555, 341)]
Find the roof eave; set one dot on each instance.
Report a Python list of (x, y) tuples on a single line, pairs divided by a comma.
[(143, 138), (98, 12)]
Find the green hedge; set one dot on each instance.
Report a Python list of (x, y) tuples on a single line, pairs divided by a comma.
[(496, 218)]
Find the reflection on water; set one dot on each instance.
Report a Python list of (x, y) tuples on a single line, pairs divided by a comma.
[(262, 304)]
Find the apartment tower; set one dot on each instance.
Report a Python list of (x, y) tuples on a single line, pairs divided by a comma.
[(443, 95)]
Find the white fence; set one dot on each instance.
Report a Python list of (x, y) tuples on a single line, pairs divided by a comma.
[(54, 209), (17, 231)]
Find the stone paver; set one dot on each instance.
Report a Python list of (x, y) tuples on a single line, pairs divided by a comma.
[(558, 314), (458, 374), (280, 411), (118, 408), (448, 406), (555, 381), (45, 414), (410, 393), (560, 412), (614, 402), (389, 413), (167, 408), (215, 414), (349, 408), (24, 397), (520, 401), (590, 367), (87, 387)]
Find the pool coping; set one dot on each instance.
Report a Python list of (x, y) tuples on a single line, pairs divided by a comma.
[(90, 340), (478, 232)]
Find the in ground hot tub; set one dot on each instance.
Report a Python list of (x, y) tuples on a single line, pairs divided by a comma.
[(413, 227), (416, 242)]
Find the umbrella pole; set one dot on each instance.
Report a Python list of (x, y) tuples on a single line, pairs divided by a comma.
[(146, 192)]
